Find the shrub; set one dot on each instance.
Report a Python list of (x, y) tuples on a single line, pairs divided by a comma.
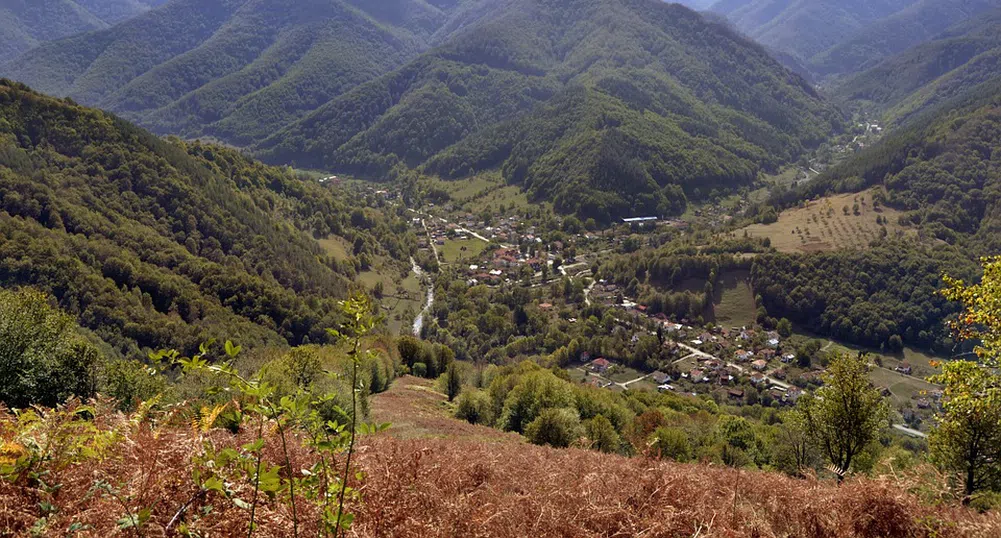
[(419, 369), (43, 359), (555, 427), (601, 435), (474, 406), (671, 443)]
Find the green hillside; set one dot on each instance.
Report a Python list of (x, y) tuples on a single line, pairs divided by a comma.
[(955, 61), (836, 38), (159, 244), (605, 107), (236, 70), (921, 22), (941, 168), (28, 24)]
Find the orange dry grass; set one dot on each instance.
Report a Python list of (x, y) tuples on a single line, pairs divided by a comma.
[(427, 488), (148, 468), (469, 488), (415, 410)]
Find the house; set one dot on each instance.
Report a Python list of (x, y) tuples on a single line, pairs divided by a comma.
[(743, 355), (665, 387), (759, 365), (545, 306), (736, 394), (698, 376), (923, 403), (767, 354), (773, 343), (793, 394), (788, 357), (600, 365), (779, 374), (904, 368), (757, 379), (725, 379), (659, 377)]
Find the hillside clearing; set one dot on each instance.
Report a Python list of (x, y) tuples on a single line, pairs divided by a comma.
[(830, 223)]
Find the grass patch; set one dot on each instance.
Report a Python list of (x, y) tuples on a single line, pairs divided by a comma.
[(902, 387), (734, 299), (455, 250), (335, 247)]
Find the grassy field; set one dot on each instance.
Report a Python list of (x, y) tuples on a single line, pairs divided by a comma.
[(398, 295), (734, 300), (485, 193), (455, 250), (335, 247), (824, 225), (904, 388)]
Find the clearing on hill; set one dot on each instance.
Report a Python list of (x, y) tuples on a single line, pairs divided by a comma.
[(416, 410), (840, 221)]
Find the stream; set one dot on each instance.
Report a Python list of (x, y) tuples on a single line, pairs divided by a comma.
[(419, 320)]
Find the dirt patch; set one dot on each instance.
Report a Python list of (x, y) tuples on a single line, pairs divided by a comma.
[(415, 410)]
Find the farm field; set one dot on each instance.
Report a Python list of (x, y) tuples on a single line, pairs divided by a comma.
[(830, 223)]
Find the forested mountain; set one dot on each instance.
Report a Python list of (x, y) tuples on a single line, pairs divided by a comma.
[(236, 70), (25, 24), (161, 244), (606, 107), (955, 61), (837, 37)]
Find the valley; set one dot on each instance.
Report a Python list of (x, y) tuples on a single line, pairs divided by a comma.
[(500, 268)]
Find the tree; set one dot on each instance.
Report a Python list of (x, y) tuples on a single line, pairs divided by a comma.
[(980, 319), (557, 427), (474, 407), (671, 443), (784, 328), (43, 359), (453, 382), (600, 432), (845, 415), (967, 438)]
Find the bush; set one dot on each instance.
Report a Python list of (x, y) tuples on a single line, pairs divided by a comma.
[(555, 427), (601, 435), (130, 382), (671, 443), (474, 406), (43, 358), (419, 369)]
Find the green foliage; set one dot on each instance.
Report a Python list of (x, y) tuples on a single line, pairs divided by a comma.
[(602, 124), (931, 72), (671, 443), (966, 440), (980, 319), (453, 383), (847, 414), (474, 406), (601, 435), (864, 297), (557, 427), (300, 410), (26, 25), (193, 68), (155, 243), (43, 357)]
